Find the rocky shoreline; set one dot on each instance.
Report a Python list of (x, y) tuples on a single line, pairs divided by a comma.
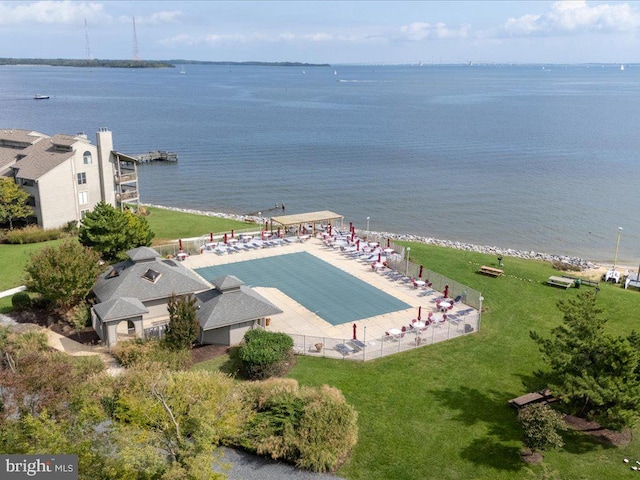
[(575, 262)]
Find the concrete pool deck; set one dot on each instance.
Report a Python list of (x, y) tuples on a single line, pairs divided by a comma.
[(297, 320)]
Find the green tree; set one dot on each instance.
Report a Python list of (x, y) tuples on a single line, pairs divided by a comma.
[(594, 373), (13, 202), (183, 414), (63, 275), (112, 232), (182, 330), (541, 425)]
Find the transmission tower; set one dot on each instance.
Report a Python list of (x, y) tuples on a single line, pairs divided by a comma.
[(86, 40), (136, 54)]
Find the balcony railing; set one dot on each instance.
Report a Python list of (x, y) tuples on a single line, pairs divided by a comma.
[(126, 195), (126, 177)]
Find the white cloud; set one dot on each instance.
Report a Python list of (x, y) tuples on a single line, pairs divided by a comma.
[(422, 31), (157, 18), (575, 16), (50, 12)]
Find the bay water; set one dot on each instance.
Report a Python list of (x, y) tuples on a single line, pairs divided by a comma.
[(515, 156)]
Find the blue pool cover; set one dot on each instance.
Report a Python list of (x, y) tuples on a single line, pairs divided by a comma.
[(329, 292)]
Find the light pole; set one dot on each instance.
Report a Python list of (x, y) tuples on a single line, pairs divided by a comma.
[(368, 218), (615, 258), (406, 271)]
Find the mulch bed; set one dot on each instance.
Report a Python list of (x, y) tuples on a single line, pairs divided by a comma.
[(611, 437), (202, 353)]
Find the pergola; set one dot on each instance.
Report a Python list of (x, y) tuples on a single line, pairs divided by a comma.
[(303, 219)]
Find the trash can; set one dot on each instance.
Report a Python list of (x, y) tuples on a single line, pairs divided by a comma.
[(578, 283)]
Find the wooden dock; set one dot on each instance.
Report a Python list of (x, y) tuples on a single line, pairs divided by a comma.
[(157, 156)]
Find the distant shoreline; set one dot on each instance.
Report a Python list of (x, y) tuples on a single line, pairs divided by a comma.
[(101, 63), (578, 262)]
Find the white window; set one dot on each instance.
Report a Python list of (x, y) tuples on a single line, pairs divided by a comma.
[(83, 198), (86, 158), (83, 213), (82, 178)]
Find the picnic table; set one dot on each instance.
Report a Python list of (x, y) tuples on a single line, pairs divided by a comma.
[(560, 281), (492, 272)]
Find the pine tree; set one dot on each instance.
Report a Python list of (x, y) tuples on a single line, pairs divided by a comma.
[(594, 373), (182, 330), (112, 232)]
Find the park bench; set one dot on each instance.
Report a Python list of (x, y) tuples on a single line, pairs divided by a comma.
[(560, 281), (493, 272)]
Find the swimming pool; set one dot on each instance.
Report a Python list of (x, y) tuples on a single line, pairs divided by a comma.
[(321, 288)]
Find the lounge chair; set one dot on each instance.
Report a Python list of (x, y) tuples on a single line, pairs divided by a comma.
[(343, 349)]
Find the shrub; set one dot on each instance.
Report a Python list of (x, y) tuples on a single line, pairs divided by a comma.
[(32, 234), (314, 428), (541, 424), (21, 301), (266, 354), (140, 352)]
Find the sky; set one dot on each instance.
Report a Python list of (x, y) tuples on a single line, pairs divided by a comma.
[(335, 32)]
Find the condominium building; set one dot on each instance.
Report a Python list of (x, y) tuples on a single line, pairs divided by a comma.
[(67, 175)]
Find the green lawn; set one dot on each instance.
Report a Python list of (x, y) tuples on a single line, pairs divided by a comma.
[(171, 225), (441, 411)]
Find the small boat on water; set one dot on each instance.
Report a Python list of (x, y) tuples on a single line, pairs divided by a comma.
[(182, 71), (41, 97)]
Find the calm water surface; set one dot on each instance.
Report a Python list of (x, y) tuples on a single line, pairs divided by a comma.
[(513, 156)]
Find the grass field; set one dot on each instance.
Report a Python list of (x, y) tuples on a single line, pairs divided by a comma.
[(171, 225), (441, 411)]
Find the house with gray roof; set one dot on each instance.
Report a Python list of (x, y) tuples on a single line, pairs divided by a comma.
[(66, 176), (132, 301)]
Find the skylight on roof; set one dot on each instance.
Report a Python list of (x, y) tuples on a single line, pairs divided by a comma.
[(151, 275)]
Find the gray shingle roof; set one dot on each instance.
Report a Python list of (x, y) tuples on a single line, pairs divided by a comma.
[(228, 282), (218, 308), (125, 279), (119, 308), (40, 159), (142, 254)]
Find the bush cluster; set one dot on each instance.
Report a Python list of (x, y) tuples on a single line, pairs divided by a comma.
[(266, 354), (32, 234), (21, 301), (140, 352), (313, 428)]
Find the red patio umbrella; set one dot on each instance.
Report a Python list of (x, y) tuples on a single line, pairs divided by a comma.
[(419, 313), (211, 237), (420, 274), (266, 225), (388, 243), (278, 232), (379, 257), (446, 291), (232, 233), (262, 234), (350, 226), (354, 331), (225, 238), (358, 245), (180, 243), (330, 229), (352, 236)]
